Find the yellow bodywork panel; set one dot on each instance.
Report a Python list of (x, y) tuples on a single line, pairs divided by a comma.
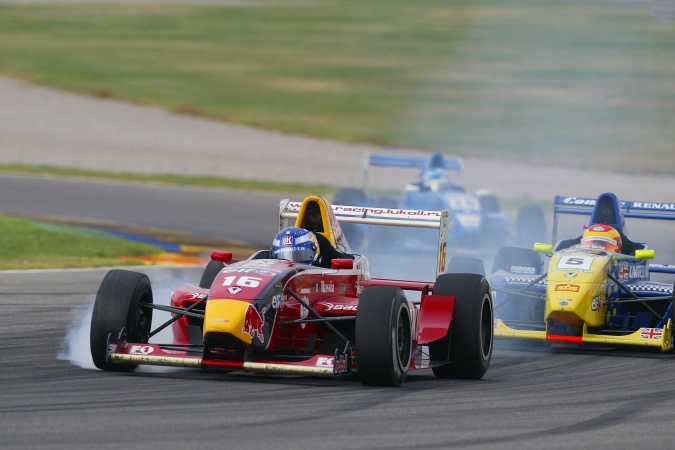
[(501, 330), (233, 317), (581, 298), (645, 337)]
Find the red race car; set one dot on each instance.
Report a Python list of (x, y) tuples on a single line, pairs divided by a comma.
[(328, 317)]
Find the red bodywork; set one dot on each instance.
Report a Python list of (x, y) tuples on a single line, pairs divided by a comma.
[(285, 337)]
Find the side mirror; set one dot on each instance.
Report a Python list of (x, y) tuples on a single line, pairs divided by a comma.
[(543, 248), (342, 264), (222, 256), (644, 254)]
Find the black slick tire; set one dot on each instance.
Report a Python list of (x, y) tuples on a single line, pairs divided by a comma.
[(517, 260), (117, 306), (383, 336), (211, 270), (469, 347)]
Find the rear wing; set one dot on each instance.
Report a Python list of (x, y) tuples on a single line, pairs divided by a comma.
[(406, 162), (629, 208), (383, 216)]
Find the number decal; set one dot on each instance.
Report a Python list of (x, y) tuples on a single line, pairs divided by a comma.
[(244, 281), (581, 263)]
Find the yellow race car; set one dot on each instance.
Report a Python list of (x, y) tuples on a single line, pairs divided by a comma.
[(596, 288)]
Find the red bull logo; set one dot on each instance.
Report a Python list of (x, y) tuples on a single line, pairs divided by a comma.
[(253, 323)]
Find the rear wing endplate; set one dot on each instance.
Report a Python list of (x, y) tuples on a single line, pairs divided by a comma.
[(383, 216)]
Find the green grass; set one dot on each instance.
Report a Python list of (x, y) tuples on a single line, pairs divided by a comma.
[(27, 244), (573, 83)]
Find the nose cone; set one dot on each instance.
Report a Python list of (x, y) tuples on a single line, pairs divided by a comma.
[(237, 318)]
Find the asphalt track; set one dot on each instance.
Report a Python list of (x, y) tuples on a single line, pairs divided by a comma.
[(528, 398), (210, 213)]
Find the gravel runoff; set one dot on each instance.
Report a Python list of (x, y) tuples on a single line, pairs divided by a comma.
[(39, 125)]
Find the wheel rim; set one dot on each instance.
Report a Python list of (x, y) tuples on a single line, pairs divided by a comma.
[(140, 328), (486, 328), (403, 344)]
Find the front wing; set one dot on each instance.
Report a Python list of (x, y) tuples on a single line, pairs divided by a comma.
[(338, 365), (642, 337)]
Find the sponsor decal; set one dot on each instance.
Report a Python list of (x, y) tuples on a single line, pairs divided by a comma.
[(341, 365), (323, 361), (327, 287), (305, 290), (630, 272), (563, 302), (253, 323), (342, 288), (636, 272), (304, 312), (339, 307), (259, 271), (595, 303), (277, 302), (578, 201), (523, 269), (287, 241), (234, 290), (567, 287), (141, 350), (623, 271), (386, 211), (570, 274), (657, 206), (651, 333)]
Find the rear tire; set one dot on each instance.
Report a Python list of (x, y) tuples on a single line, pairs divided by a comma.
[(465, 264), (383, 338), (468, 345), (518, 260), (489, 203), (118, 306)]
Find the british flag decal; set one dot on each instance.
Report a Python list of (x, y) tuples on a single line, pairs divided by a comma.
[(651, 333)]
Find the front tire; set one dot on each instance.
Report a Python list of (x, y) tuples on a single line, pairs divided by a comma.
[(469, 349), (383, 336), (117, 306), (211, 270)]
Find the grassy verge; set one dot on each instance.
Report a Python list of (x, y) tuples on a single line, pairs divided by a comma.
[(27, 244), (574, 83)]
